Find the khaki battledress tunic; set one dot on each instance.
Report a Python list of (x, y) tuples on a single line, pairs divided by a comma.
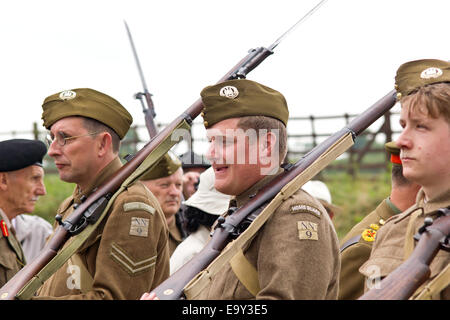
[(174, 237), (355, 250), (12, 258), (295, 254), (125, 256), (388, 251)]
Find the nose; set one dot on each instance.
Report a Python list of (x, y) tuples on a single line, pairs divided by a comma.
[(403, 141), (210, 152), (173, 190), (40, 190), (54, 149)]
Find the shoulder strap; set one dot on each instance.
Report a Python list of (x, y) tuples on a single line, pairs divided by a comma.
[(350, 242), (434, 287), (245, 272)]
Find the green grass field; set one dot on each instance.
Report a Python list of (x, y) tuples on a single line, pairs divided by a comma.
[(356, 197)]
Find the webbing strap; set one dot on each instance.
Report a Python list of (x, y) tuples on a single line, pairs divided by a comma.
[(245, 272), (433, 289)]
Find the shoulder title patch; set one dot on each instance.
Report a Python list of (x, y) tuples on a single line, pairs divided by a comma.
[(304, 208), (133, 206)]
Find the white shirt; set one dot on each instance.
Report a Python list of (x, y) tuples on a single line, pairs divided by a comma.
[(190, 246)]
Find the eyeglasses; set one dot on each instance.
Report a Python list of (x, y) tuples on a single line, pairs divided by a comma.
[(61, 138)]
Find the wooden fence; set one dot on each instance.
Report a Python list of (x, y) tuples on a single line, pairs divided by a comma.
[(304, 133)]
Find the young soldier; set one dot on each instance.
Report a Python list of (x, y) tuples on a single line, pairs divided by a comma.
[(424, 91), (165, 181), (357, 244), (128, 252), (295, 255), (21, 183)]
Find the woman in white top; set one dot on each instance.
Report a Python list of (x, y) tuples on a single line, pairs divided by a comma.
[(202, 210)]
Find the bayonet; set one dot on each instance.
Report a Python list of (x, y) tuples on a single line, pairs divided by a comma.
[(149, 110)]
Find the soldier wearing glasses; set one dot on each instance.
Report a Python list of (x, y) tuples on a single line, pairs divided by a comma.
[(128, 253)]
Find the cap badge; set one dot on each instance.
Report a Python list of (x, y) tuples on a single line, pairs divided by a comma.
[(431, 72), (67, 95), (229, 92)]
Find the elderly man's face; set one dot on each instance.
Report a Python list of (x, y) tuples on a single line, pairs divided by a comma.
[(168, 191), (24, 187)]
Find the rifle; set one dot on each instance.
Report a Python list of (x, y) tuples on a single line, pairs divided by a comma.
[(92, 208), (149, 110), (401, 283), (232, 226)]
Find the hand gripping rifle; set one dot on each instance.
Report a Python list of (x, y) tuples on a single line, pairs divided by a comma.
[(233, 226), (149, 110), (90, 212), (401, 283)]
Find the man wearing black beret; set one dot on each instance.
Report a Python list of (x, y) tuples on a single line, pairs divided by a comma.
[(21, 183)]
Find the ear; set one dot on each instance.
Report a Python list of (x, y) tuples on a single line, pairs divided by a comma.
[(3, 181), (268, 143), (104, 144)]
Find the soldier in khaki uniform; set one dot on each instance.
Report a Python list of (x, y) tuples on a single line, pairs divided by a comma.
[(357, 244), (128, 252), (295, 255), (423, 88), (165, 181), (21, 183)]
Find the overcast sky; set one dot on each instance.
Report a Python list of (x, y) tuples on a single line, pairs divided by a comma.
[(342, 59)]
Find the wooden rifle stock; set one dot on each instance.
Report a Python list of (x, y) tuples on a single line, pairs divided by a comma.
[(172, 288), (411, 274), (76, 221)]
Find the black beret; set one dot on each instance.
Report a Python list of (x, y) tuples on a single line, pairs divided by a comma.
[(16, 154)]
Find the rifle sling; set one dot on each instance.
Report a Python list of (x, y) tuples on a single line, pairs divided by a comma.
[(245, 272), (86, 279), (201, 280), (433, 289), (409, 237), (69, 250)]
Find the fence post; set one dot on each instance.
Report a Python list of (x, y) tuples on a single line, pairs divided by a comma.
[(35, 131), (388, 134), (313, 131)]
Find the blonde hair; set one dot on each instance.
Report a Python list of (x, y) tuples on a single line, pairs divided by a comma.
[(432, 100)]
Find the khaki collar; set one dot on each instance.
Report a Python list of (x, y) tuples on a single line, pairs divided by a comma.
[(106, 172), (4, 217), (429, 207), (247, 195), (77, 194)]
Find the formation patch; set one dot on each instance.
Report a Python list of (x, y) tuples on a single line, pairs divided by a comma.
[(307, 230), (139, 227), (304, 208)]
